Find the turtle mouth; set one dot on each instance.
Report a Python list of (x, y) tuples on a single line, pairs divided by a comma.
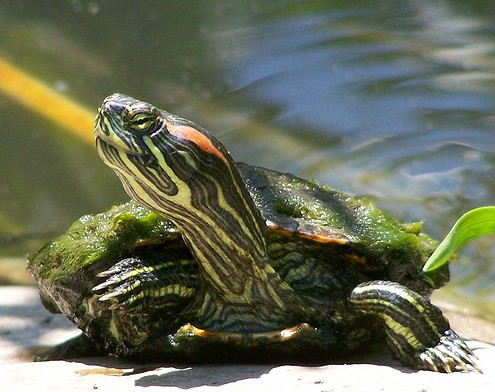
[(107, 132), (106, 141), (116, 156), (103, 142)]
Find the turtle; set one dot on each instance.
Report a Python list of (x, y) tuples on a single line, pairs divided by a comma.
[(217, 260)]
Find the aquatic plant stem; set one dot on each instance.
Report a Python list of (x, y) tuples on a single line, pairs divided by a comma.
[(39, 97)]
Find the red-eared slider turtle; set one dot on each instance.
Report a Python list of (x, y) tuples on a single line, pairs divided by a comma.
[(222, 261)]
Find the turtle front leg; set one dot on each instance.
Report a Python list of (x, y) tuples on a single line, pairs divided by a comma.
[(139, 285), (417, 332)]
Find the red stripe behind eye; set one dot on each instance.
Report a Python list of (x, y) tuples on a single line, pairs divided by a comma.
[(193, 135)]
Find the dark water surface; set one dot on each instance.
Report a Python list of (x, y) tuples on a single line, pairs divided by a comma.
[(391, 99)]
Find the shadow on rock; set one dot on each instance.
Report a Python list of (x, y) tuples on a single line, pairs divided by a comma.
[(210, 375)]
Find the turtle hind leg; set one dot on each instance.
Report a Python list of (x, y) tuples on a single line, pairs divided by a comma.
[(77, 347), (417, 332)]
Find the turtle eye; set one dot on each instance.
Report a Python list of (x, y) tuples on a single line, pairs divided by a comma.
[(142, 122)]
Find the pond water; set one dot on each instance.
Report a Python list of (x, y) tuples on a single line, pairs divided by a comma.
[(390, 99)]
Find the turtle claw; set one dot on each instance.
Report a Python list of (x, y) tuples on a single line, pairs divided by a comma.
[(136, 285), (451, 353), (107, 284), (121, 286)]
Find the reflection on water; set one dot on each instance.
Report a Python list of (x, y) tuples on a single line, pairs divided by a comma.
[(389, 99)]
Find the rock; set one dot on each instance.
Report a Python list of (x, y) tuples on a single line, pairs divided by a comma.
[(26, 328)]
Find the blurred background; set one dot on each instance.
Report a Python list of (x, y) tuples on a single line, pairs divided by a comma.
[(390, 99)]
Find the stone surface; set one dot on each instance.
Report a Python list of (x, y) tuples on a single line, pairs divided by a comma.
[(26, 328)]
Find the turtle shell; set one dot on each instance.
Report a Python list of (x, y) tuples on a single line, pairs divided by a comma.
[(319, 240), (327, 219)]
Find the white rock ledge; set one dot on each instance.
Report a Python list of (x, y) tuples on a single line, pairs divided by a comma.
[(25, 326)]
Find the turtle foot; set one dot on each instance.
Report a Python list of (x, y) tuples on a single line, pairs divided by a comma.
[(77, 347), (418, 333), (122, 286), (139, 286), (450, 354)]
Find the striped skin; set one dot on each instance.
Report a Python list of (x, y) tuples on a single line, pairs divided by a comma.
[(417, 332), (180, 171), (138, 284)]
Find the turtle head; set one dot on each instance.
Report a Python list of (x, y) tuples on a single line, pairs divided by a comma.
[(177, 169), (181, 171), (163, 160)]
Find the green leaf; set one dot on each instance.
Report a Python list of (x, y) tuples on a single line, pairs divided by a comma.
[(471, 225)]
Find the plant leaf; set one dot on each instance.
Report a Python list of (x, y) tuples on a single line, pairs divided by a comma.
[(471, 225)]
